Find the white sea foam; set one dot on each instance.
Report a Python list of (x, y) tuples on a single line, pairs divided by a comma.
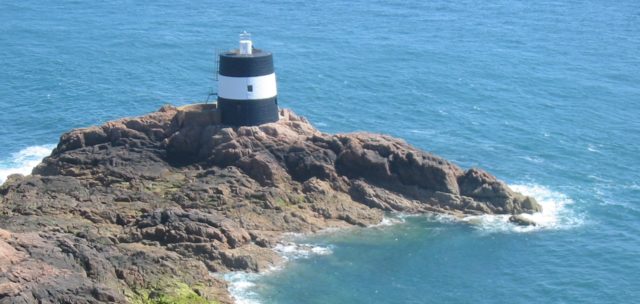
[(593, 148), (292, 251), (391, 219), (23, 161), (242, 285), (556, 213)]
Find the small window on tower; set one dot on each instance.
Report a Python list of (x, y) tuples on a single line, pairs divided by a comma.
[(250, 88)]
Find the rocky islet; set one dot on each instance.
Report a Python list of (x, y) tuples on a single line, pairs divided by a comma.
[(144, 209)]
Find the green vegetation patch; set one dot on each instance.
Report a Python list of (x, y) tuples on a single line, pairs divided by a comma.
[(176, 293), (281, 202)]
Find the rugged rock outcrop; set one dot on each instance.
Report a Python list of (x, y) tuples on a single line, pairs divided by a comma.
[(140, 207)]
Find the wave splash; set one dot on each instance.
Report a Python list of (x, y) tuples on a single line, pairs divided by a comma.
[(293, 251), (556, 213), (392, 219), (242, 285), (23, 161)]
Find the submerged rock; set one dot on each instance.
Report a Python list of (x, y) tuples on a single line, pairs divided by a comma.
[(166, 198), (522, 220)]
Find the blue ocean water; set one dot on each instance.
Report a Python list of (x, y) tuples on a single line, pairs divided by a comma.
[(544, 94)]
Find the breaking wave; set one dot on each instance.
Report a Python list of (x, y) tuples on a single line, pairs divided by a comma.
[(23, 161), (242, 285), (292, 251), (556, 213), (391, 219)]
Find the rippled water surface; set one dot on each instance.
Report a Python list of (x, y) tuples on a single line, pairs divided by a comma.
[(543, 94)]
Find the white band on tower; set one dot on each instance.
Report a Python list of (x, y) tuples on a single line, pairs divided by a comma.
[(246, 88)]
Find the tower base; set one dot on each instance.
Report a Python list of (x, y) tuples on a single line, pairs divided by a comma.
[(248, 112)]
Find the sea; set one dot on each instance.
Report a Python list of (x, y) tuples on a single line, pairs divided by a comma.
[(543, 94)]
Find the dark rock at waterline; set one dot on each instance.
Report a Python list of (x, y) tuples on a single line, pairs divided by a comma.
[(141, 205), (522, 220)]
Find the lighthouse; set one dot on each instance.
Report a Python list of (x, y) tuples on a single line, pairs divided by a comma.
[(247, 93)]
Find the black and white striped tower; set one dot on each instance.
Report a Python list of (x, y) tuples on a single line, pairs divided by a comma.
[(247, 93)]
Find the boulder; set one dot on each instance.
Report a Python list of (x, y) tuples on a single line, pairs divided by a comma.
[(522, 220)]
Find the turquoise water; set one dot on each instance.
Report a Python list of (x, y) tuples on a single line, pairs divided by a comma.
[(544, 95)]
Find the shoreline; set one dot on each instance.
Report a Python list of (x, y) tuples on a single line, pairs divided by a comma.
[(561, 218)]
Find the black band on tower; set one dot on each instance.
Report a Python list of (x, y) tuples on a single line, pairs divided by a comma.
[(248, 112), (257, 64)]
